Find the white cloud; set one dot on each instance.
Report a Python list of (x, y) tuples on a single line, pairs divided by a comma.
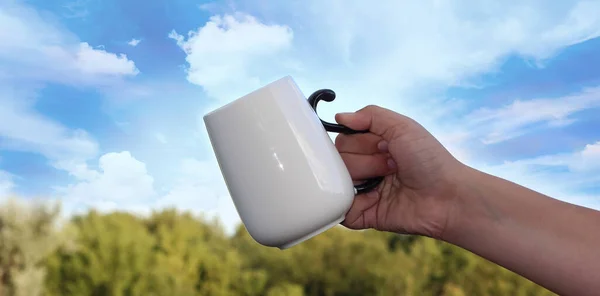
[(587, 161), (591, 154), (95, 61), (227, 55), (35, 48), (6, 185), (520, 117), (558, 175), (198, 187), (23, 129), (123, 183), (580, 23), (134, 42), (398, 52), (583, 161)]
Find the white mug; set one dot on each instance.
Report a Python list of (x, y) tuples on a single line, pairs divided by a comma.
[(286, 178)]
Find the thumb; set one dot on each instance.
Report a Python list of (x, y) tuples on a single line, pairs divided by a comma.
[(376, 119)]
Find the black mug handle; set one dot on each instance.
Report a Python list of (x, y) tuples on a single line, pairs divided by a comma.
[(328, 95)]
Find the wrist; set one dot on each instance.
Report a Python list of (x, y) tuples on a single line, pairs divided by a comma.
[(471, 213)]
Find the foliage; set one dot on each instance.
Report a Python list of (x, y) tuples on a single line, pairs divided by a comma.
[(173, 253), (28, 235)]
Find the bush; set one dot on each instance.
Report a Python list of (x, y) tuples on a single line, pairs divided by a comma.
[(174, 253)]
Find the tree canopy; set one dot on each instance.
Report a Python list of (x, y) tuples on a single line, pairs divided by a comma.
[(176, 253)]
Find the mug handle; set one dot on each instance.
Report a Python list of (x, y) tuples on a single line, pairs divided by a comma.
[(328, 95)]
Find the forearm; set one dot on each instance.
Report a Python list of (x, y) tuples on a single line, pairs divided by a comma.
[(553, 243)]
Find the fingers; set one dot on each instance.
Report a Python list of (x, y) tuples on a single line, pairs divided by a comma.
[(358, 143), (365, 155), (368, 166), (355, 217), (373, 118)]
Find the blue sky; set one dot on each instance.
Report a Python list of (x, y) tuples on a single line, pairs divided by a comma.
[(101, 102)]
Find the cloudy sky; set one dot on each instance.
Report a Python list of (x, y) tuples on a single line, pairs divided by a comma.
[(101, 101)]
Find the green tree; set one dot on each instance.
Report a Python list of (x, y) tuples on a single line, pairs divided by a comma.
[(286, 289), (191, 257), (112, 257), (169, 253), (176, 253), (29, 232), (337, 262)]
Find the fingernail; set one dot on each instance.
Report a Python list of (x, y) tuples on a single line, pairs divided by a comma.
[(391, 163), (382, 146), (345, 113)]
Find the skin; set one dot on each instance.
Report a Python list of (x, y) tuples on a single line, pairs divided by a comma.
[(428, 192)]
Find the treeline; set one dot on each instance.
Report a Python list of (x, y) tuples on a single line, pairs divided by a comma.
[(172, 253)]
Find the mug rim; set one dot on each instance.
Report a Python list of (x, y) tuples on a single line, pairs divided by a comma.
[(245, 97)]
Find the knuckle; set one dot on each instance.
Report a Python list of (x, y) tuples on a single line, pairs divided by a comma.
[(370, 108)]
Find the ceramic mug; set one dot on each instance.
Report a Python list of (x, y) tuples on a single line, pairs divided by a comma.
[(286, 178)]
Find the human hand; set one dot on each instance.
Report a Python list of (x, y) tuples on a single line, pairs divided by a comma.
[(426, 191), (420, 190)]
